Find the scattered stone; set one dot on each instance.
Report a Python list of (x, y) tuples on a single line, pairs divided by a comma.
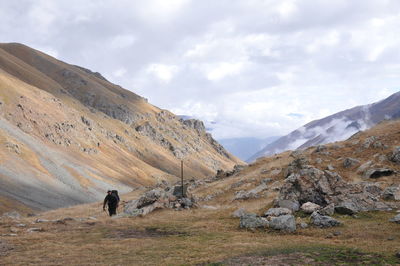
[(35, 229), (323, 221), (395, 219), (391, 193), (276, 212), (397, 254), (41, 221), (378, 172), (350, 162), (252, 221), (14, 230), (328, 210), (395, 156), (310, 207), (346, 207), (364, 167), (208, 207), (12, 215), (285, 223), (251, 194), (318, 161), (303, 225), (266, 181), (390, 238), (330, 235), (20, 225), (330, 167), (337, 233), (368, 141), (288, 204), (276, 172), (295, 166), (320, 148), (239, 213)]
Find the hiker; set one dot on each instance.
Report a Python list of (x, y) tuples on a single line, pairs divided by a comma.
[(112, 202)]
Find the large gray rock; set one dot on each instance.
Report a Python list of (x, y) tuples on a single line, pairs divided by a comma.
[(328, 210), (395, 156), (239, 213), (347, 207), (396, 219), (275, 212), (324, 187), (310, 207), (156, 199), (391, 193), (252, 221), (292, 205), (323, 221), (285, 223)]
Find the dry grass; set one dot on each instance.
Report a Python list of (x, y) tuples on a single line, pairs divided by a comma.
[(187, 237)]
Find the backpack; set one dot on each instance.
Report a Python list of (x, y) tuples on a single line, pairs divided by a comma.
[(115, 194)]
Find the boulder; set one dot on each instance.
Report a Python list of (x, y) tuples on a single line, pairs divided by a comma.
[(325, 187), (295, 166), (310, 207), (323, 220), (391, 193), (347, 207), (364, 167), (292, 205), (156, 199), (275, 212), (378, 172), (239, 213), (252, 221), (396, 219), (328, 210), (285, 223), (395, 156)]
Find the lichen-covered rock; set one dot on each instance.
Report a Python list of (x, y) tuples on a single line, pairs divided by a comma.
[(275, 212), (310, 207), (323, 221), (252, 221), (239, 213), (285, 223)]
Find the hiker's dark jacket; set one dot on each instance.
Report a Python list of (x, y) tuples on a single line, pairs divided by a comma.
[(111, 200)]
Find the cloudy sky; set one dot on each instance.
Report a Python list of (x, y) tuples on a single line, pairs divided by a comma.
[(257, 68)]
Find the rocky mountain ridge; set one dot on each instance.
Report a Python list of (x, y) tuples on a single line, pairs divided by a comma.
[(67, 135), (336, 127)]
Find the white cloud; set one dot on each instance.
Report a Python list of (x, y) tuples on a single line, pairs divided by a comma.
[(222, 70), (163, 72), (244, 64)]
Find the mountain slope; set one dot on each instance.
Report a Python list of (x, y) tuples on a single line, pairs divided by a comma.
[(67, 135), (336, 127)]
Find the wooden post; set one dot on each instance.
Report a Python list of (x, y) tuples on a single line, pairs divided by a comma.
[(182, 177)]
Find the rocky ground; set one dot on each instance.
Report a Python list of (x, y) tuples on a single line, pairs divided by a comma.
[(332, 204)]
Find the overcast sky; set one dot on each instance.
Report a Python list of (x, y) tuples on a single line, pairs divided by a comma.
[(257, 68)]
